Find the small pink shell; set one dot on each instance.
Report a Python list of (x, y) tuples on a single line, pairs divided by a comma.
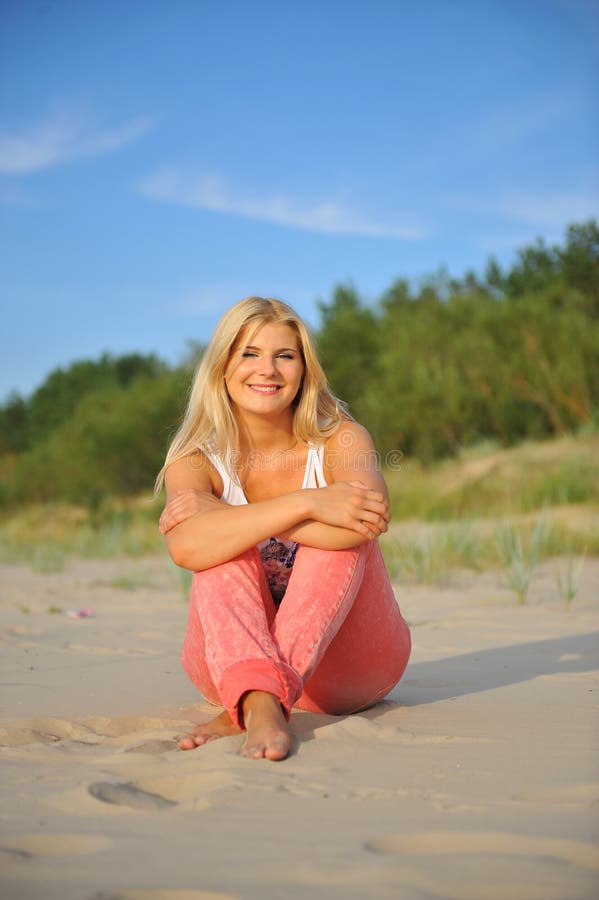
[(84, 612)]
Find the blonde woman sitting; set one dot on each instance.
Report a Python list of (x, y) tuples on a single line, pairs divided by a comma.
[(275, 501)]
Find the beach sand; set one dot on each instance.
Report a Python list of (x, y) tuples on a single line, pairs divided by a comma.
[(477, 778)]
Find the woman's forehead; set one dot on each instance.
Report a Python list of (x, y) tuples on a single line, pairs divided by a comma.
[(268, 334)]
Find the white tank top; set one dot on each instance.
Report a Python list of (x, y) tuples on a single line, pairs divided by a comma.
[(277, 554)]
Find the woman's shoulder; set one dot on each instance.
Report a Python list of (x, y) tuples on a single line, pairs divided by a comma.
[(349, 434), (198, 469), (348, 451), (350, 455)]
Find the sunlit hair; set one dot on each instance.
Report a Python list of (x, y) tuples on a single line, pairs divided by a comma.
[(209, 422)]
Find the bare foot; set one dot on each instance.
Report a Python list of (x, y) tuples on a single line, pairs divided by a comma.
[(221, 726), (268, 735)]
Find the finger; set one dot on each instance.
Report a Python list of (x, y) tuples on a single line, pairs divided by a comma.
[(167, 524), (372, 511), (363, 529), (376, 525), (171, 517), (376, 496), (178, 515), (371, 526), (368, 491), (179, 507)]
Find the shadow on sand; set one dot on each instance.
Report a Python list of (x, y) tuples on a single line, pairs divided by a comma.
[(483, 670), (471, 673)]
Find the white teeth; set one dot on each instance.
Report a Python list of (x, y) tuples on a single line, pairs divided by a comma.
[(264, 389)]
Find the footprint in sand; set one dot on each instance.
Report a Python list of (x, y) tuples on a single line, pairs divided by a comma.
[(48, 845), (356, 727), (573, 795), (359, 727), (48, 730), (12, 853), (452, 843), (125, 726), (153, 748), (164, 894), (126, 794), (43, 730)]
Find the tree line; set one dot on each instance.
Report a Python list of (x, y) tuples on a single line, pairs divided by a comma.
[(429, 368)]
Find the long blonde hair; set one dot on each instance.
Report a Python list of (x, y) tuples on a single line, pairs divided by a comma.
[(209, 422)]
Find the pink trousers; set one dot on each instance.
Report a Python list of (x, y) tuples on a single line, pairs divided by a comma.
[(337, 643)]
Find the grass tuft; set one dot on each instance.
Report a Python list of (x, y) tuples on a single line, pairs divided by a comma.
[(568, 579), (520, 561)]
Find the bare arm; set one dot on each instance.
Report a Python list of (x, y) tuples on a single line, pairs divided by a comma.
[(350, 457), (207, 532)]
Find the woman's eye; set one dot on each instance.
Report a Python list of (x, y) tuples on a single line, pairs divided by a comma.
[(249, 353)]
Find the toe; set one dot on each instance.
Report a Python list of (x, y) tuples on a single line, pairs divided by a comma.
[(254, 752)]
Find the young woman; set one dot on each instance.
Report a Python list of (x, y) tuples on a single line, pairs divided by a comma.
[(275, 501)]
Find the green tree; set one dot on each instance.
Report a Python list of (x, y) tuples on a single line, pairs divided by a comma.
[(348, 345)]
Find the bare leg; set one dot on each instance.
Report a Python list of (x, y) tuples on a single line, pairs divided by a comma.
[(268, 734), (221, 726)]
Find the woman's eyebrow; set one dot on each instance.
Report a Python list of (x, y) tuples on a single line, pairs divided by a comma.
[(280, 349)]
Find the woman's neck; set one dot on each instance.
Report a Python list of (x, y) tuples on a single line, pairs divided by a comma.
[(265, 435)]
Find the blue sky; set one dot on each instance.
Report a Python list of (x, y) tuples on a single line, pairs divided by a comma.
[(161, 160)]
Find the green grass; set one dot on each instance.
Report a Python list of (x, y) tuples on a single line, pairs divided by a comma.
[(568, 578), (428, 553), (520, 558), (46, 536), (491, 482)]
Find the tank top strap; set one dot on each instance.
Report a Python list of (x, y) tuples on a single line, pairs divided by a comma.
[(314, 476), (232, 490)]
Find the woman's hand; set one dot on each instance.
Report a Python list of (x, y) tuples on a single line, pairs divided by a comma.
[(183, 505), (352, 505)]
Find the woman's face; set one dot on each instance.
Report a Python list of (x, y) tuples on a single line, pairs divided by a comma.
[(265, 370)]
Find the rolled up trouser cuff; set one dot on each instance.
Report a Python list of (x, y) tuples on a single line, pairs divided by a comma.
[(259, 675)]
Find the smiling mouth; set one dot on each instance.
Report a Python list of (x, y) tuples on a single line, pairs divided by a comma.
[(265, 388)]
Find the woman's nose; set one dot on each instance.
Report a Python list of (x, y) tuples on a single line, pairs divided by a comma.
[(267, 365)]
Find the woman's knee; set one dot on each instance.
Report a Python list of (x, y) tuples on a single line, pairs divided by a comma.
[(317, 556), (340, 700), (245, 564)]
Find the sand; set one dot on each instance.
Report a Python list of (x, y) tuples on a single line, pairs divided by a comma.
[(477, 778)]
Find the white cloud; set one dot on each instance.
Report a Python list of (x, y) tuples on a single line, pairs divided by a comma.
[(549, 209), (538, 215), (528, 117), (60, 137), (211, 193)]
